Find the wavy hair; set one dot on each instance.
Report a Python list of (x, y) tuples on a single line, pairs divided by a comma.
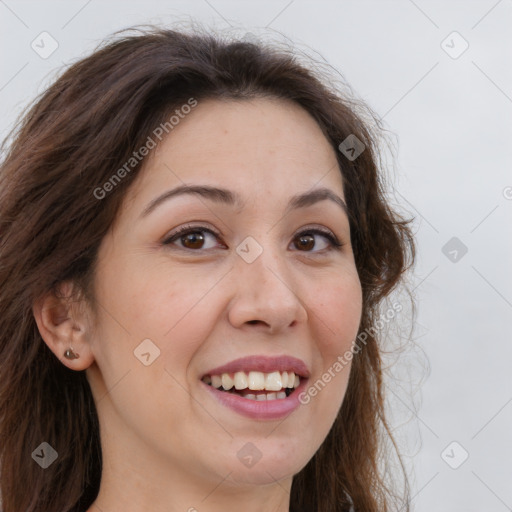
[(69, 141)]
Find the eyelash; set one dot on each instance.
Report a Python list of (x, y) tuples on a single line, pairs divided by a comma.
[(185, 230)]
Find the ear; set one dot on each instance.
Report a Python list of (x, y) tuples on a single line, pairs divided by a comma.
[(63, 324)]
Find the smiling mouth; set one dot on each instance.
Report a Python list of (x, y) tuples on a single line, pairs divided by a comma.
[(255, 385)]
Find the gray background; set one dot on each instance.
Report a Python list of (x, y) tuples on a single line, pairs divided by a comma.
[(451, 116)]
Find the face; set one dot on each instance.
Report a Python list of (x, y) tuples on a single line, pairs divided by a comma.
[(257, 277)]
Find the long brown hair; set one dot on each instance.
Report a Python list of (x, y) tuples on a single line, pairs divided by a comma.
[(69, 143)]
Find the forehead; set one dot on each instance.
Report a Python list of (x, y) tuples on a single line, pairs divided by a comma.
[(260, 147)]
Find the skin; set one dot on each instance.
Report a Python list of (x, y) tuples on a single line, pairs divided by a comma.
[(167, 444)]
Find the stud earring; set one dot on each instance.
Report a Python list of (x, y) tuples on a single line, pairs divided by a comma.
[(70, 354)]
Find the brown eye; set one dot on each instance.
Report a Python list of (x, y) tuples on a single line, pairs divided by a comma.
[(193, 240), (306, 242)]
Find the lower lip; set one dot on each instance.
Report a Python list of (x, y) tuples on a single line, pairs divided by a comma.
[(255, 409)]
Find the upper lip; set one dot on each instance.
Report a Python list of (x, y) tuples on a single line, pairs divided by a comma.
[(265, 364)]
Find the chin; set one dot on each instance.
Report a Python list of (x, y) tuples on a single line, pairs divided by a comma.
[(268, 463), (263, 474)]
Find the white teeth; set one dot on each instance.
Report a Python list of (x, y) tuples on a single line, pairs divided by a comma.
[(227, 381), (273, 382), (240, 380), (256, 381), (265, 396)]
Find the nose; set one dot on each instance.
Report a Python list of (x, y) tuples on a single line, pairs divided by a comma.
[(266, 294)]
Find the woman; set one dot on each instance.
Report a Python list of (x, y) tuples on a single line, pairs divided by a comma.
[(194, 246)]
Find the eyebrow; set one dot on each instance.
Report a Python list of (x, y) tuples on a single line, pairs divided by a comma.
[(230, 198)]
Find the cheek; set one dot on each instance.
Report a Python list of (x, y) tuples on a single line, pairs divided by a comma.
[(157, 299), (337, 307), (140, 302), (175, 311)]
